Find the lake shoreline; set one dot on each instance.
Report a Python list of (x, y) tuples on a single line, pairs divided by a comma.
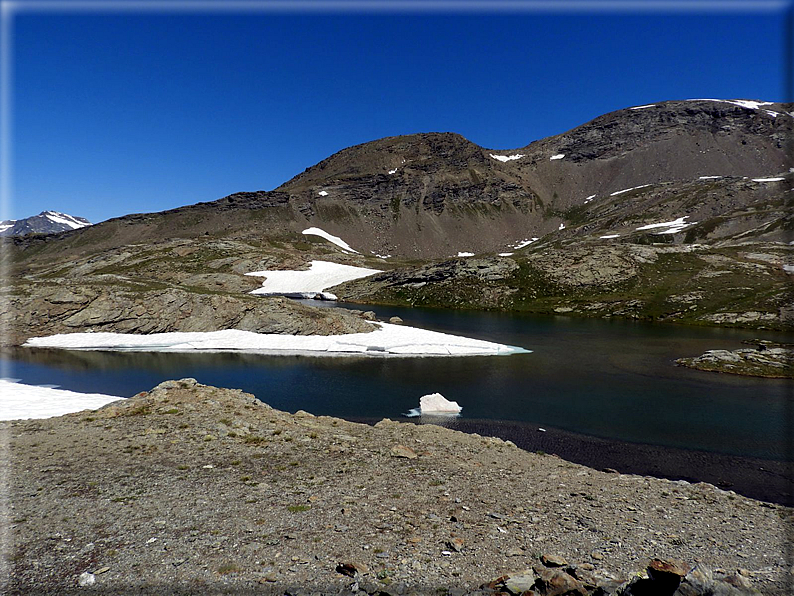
[(766, 480)]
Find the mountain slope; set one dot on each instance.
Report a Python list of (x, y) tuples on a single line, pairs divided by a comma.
[(677, 211), (46, 222)]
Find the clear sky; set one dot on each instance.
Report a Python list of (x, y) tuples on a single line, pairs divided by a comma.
[(136, 111)]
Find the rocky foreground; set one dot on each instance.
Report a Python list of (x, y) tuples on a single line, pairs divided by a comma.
[(190, 488)]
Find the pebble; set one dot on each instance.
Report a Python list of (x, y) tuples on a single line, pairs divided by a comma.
[(86, 579)]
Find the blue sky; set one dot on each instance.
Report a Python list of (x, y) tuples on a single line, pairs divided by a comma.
[(126, 112)]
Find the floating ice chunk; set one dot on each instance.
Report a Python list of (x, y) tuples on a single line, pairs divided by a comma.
[(307, 284), (323, 193), (588, 199), (504, 158), (332, 239), (610, 236), (620, 192), (650, 105), (386, 340), (778, 179), (31, 401), (465, 254), (558, 156), (562, 226), (435, 403)]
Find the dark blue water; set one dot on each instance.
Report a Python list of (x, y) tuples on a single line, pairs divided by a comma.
[(611, 379)]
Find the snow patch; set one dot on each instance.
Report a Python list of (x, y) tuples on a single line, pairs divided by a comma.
[(30, 401), (385, 340), (62, 218), (465, 254), (588, 199), (650, 105), (743, 103), (558, 156), (332, 239), (788, 268), (610, 236), (308, 284), (506, 254), (620, 192), (562, 226), (673, 227), (323, 193), (394, 171), (504, 158), (778, 179), (709, 177), (522, 243), (773, 114)]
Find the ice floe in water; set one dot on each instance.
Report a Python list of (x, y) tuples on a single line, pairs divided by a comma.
[(311, 283), (673, 227), (435, 404), (504, 158), (33, 401), (385, 340), (332, 239)]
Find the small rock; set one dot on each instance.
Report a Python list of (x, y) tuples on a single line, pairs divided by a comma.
[(348, 569), (518, 583), (553, 561), (101, 570), (86, 579), (456, 544), (369, 315), (396, 321), (596, 555), (403, 451)]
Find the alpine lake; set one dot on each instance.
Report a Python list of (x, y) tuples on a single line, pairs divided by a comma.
[(606, 393)]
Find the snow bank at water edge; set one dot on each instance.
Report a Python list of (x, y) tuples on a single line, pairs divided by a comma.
[(29, 401), (386, 340), (310, 283)]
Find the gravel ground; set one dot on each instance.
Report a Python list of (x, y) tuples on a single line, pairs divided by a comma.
[(195, 489)]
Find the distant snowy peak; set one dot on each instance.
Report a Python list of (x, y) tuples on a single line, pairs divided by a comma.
[(46, 222)]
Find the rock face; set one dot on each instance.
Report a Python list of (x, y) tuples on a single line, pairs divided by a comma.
[(49, 309), (196, 488)]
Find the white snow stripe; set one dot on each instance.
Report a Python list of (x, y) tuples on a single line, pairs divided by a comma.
[(307, 284), (332, 239)]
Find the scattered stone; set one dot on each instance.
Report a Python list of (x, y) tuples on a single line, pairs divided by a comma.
[(456, 544), (86, 579), (521, 582), (101, 570), (396, 321), (553, 561), (403, 451)]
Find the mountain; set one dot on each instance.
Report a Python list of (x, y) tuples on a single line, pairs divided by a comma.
[(679, 211), (46, 222)]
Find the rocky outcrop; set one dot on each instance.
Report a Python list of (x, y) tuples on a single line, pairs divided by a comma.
[(195, 488), (45, 309), (766, 359)]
